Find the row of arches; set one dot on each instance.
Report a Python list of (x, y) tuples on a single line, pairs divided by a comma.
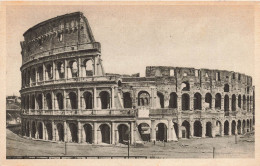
[(46, 132), (57, 70)]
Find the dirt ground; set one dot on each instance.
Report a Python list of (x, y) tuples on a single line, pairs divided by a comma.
[(225, 147)]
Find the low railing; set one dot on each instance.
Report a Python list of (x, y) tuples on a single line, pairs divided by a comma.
[(91, 112), (163, 111)]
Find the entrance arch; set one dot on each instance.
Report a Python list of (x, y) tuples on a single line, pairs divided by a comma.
[(197, 129), (144, 131), (218, 128), (185, 102), (49, 130), (60, 132), (239, 127), (226, 127), (185, 129), (233, 129), (208, 129), (88, 133), (73, 132), (197, 101), (123, 132), (40, 130), (33, 129), (105, 100), (105, 133), (161, 132)]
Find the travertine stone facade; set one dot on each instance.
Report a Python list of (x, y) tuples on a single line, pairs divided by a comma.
[(66, 95)]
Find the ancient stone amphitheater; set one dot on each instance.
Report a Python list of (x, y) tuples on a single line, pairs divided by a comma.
[(68, 97)]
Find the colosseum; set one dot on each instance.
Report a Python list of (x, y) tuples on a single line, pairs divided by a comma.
[(67, 96)]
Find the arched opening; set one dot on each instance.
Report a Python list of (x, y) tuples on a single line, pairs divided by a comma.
[(197, 129), (88, 65), (88, 133), (185, 129), (40, 130), (233, 129), (143, 98), (33, 129), (218, 128), (32, 102), (226, 103), (88, 100), (239, 127), (49, 101), (123, 133), (144, 131), (49, 130), (73, 100), (218, 101), (33, 75), (239, 101), (244, 127), (161, 132), (40, 73), (27, 102), (105, 100), (28, 77), (173, 100), (105, 133), (185, 102), (176, 129), (226, 127), (247, 103), (59, 98), (208, 100), (60, 130), (226, 88), (160, 100), (233, 102), (208, 129), (185, 86), (247, 126), (73, 69), (244, 102), (60, 70), (49, 71), (127, 100), (39, 101), (197, 101), (73, 132)]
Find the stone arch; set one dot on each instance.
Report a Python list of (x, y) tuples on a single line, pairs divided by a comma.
[(73, 132), (208, 99), (143, 98), (39, 101), (185, 98), (33, 75), (176, 129), (218, 128), (244, 102), (60, 130), (239, 127), (218, 101), (59, 98), (197, 129), (185, 129), (49, 101), (40, 130), (144, 131), (127, 100), (226, 127), (226, 88), (123, 133), (60, 70), (197, 101), (104, 99), (239, 101), (88, 133), (185, 86), (160, 100), (105, 133), (248, 106), (49, 71), (209, 129), (226, 103), (33, 129), (32, 101), (233, 127), (88, 67), (73, 100), (161, 132), (173, 102), (40, 73), (244, 127), (88, 100), (234, 102), (49, 131), (73, 66)]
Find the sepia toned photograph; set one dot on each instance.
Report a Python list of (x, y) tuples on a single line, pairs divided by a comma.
[(130, 81)]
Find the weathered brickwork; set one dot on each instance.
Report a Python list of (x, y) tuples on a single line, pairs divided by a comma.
[(67, 96)]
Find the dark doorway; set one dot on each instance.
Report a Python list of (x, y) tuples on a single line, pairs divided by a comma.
[(161, 134), (105, 133), (197, 129), (123, 133)]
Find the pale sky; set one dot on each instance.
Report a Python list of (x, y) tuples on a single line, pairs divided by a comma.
[(133, 37)]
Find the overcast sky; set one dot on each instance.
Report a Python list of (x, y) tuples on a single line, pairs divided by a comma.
[(133, 37)]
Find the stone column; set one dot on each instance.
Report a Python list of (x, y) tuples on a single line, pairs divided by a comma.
[(191, 129), (113, 139), (213, 103), (95, 67), (132, 128), (179, 103), (222, 103), (54, 70), (79, 68), (170, 126), (79, 132), (203, 123), (203, 103), (95, 141), (36, 75), (52, 100), (192, 103), (65, 69), (152, 99), (44, 131), (95, 97), (64, 100), (30, 129), (222, 128), (65, 131), (53, 131), (43, 72), (153, 131), (113, 97), (43, 101), (230, 128), (236, 131), (79, 104), (213, 129), (230, 104)]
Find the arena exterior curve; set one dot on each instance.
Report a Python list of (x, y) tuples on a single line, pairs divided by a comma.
[(67, 97)]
